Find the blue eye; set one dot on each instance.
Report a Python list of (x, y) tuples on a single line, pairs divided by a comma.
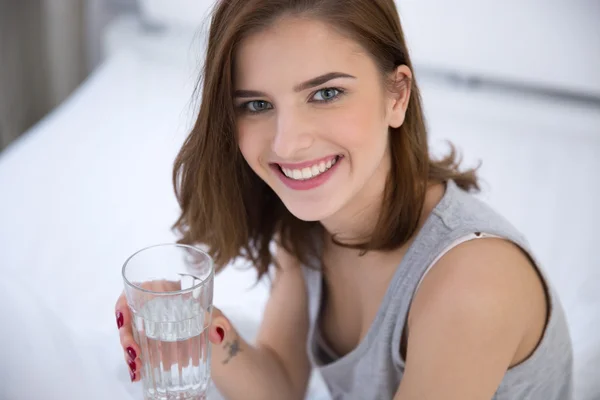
[(257, 106), (327, 94)]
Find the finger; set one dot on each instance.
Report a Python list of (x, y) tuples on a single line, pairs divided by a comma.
[(197, 351), (128, 343), (167, 355), (161, 286), (122, 314), (135, 366), (131, 354), (220, 329)]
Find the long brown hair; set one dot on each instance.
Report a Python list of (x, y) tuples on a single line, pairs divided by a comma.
[(228, 208)]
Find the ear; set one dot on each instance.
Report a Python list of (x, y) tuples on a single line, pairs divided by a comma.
[(399, 95)]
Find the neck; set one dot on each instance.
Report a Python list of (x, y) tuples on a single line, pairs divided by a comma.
[(354, 224), (356, 221)]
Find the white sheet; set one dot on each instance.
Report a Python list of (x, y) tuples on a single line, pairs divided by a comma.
[(91, 184)]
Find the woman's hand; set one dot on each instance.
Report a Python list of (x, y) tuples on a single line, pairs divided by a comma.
[(219, 328)]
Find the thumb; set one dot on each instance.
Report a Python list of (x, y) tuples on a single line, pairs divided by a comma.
[(220, 327)]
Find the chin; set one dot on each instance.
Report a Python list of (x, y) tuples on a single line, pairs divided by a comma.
[(310, 211)]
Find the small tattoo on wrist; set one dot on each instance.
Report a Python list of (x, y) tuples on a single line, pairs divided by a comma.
[(233, 348)]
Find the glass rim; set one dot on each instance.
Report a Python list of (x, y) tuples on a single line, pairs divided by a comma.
[(202, 282)]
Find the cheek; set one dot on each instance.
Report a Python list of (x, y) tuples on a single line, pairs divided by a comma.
[(360, 128), (252, 143)]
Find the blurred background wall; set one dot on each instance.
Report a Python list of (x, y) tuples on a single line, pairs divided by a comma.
[(47, 48)]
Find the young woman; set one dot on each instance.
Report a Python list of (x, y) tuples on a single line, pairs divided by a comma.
[(391, 277)]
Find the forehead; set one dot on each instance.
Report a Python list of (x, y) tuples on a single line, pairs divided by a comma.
[(296, 49)]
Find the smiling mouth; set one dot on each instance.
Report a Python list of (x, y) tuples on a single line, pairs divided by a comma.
[(310, 172)]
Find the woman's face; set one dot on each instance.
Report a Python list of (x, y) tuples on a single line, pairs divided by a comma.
[(313, 117)]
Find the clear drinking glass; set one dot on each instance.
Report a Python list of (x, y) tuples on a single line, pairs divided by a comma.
[(169, 288)]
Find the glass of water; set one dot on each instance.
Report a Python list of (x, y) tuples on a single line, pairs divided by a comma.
[(169, 290)]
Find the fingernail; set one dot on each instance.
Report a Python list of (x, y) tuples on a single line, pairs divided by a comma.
[(119, 319), (131, 352), (220, 332), (132, 375), (131, 365)]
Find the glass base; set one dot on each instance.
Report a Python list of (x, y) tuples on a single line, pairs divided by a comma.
[(177, 396)]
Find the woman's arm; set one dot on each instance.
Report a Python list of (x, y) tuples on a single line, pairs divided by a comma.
[(277, 367), (481, 310)]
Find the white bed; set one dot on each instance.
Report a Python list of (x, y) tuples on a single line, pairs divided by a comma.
[(91, 183)]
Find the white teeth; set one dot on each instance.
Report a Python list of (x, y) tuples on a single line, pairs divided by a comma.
[(306, 173), (309, 172)]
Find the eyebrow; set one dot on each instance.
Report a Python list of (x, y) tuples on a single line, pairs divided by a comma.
[(319, 80)]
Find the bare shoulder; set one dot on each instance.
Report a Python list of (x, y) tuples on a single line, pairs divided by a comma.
[(487, 283), (479, 311)]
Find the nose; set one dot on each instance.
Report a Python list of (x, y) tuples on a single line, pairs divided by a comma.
[(293, 134)]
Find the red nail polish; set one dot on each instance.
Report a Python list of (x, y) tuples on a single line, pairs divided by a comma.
[(132, 375), (131, 364), (131, 352), (119, 319), (220, 332)]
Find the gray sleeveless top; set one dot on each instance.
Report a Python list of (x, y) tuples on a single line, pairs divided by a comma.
[(374, 369)]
